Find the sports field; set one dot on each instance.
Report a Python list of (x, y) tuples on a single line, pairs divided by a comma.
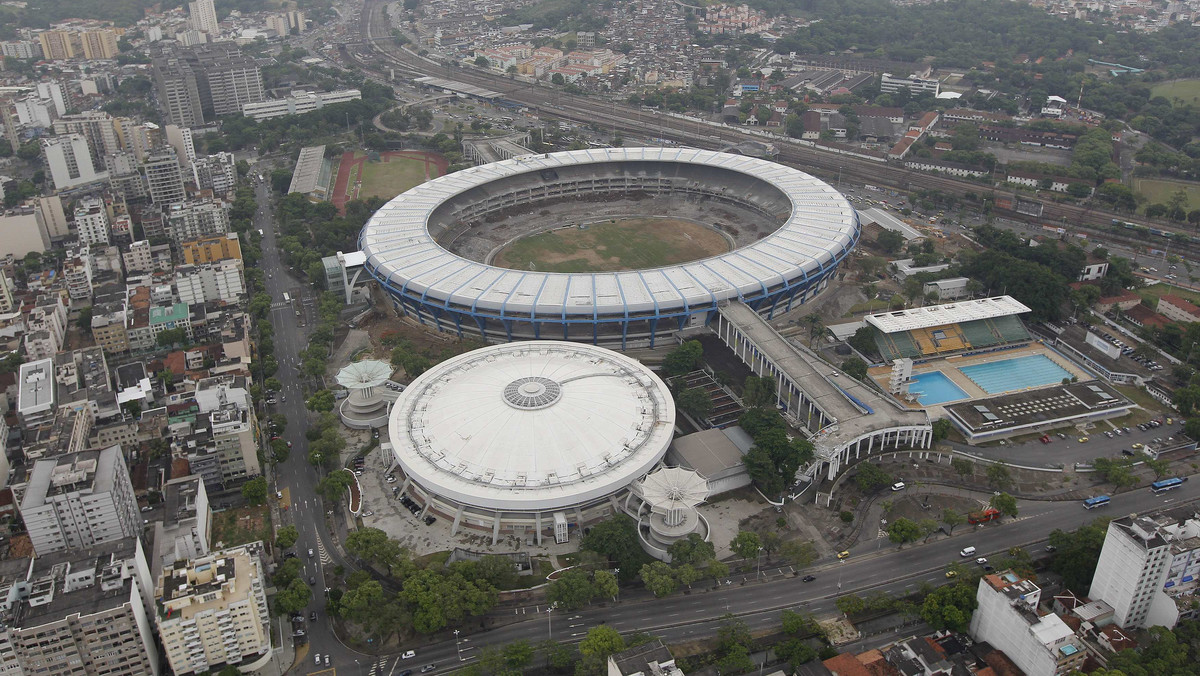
[(609, 246), (385, 175), (1186, 90), (1159, 191)]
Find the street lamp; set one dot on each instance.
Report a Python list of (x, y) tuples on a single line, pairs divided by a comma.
[(549, 623), (458, 646), (758, 573)]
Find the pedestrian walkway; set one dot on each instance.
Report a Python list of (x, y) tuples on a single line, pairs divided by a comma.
[(379, 667)]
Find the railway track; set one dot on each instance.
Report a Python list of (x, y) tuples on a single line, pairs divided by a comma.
[(548, 102)]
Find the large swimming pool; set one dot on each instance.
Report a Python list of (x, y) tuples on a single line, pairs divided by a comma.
[(934, 387), (1015, 374)]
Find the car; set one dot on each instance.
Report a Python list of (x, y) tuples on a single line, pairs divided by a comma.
[(428, 667), (429, 519), (898, 486), (1051, 549), (988, 569), (272, 401), (390, 479), (981, 560), (289, 444), (368, 513), (408, 654), (326, 659), (406, 672), (316, 658), (312, 580), (1061, 435), (1126, 430), (310, 552), (1108, 434), (1083, 440), (147, 508), (298, 632), (843, 555), (1119, 431), (297, 618), (1126, 451), (1136, 446), (279, 495), (951, 573), (312, 617), (967, 551), (289, 555), (808, 578), (358, 472)]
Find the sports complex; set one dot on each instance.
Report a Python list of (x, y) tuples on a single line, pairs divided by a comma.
[(975, 362), (610, 220)]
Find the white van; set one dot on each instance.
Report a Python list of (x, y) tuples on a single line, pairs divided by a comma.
[(969, 551)]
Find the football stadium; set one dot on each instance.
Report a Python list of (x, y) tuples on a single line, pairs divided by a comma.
[(582, 245)]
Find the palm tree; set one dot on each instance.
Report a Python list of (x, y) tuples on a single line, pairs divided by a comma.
[(815, 328)]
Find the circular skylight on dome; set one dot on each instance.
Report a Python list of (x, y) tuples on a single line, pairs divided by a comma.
[(532, 393)]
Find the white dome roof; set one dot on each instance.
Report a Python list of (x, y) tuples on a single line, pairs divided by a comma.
[(532, 425)]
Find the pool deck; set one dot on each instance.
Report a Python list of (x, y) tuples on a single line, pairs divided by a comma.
[(949, 367)]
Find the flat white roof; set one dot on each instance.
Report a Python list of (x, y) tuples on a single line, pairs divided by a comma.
[(532, 426), (400, 250), (308, 170), (886, 220), (950, 313), (36, 383)]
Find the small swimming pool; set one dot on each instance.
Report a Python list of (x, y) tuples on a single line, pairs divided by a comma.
[(1015, 374), (934, 387)]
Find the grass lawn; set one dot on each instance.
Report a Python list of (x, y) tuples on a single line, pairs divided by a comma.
[(244, 524), (1155, 291), (626, 244), (873, 305), (1158, 191), (390, 178), (1142, 398), (1187, 90)]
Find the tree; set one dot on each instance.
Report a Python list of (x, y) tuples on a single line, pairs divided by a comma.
[(903, 530), (272, 384), (617, 540), (482, 61), (855, 368), (1004, 503), (375, 546), (798, 552), (320, 401), (1160, 468), (691, 550), (572, 590), (942, 428), (605, 584), (498, 570), (294, 598), (437, 600), (518, 655), (871, 477), (695, 401), (659, 578), (286, 537), (890, 241), (255, 490), (1076, 554), (758, 392), (962, 466), (1164, 654), (684, 358), (333, 486), (949, 607), (998, 476), (795, 652), (745, 544), (601, 642), (953, 519), (928, 528)]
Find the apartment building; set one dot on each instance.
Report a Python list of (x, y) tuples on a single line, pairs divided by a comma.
[(99, 128), (888, 84), (196, 219), (221, 281), (77, 272), (82, 613), (186, 531), (202, 16), (212, 249), (164, 177), (178, 91), (70, 162), (91, 222), (215, 612), (79, 500), (217, 173), (1041, 644), (1148, 569), (35, 393)]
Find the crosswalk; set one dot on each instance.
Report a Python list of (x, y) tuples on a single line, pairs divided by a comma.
[(379, 668)]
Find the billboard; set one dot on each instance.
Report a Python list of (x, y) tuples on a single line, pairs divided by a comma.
[(1111, 351)]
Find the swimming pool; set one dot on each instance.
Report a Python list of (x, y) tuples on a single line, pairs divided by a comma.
[(1015, 374), (934, 387)]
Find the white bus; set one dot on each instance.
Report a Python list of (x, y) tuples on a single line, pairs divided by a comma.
[(287, 298)]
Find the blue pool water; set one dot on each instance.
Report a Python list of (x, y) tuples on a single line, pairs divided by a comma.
[(1015, 374), (933, 387)]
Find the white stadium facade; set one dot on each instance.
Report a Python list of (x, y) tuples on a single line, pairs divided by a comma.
[(812, 229), (531, 437)]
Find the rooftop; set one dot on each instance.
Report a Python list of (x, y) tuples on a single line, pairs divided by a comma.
[(83, 583), (1037, 406), (212, 582), (90, 471), (913, 319), (37, 386), (529, 425)]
